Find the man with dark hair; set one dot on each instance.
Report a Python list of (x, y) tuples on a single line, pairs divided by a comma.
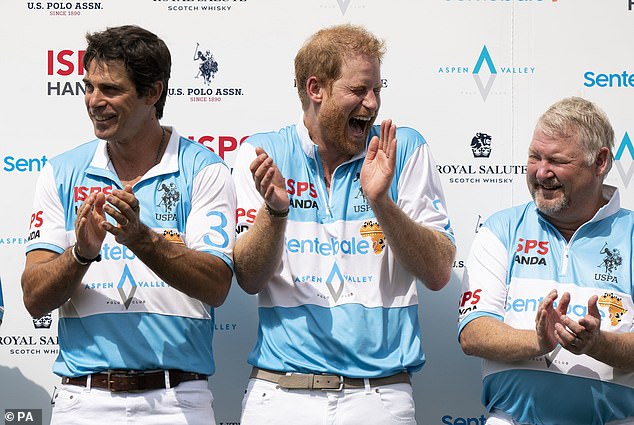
[(133, 245), (547, 288), (343, 222)]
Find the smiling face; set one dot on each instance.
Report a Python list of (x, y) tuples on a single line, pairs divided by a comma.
[(350, 106), (562, 183), (114, 107)]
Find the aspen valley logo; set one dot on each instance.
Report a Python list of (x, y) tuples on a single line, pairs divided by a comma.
[(624, 160), (485, 72)]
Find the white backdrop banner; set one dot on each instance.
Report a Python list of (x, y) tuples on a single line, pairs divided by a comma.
[(471, 75)]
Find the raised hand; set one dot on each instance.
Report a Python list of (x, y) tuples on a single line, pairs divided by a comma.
[(378, 167), (269, 181)]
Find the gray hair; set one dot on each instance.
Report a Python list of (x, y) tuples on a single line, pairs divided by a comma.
[(582, 119)]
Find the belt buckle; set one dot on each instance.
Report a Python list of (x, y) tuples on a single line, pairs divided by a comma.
[(340, 388), (111, 375)]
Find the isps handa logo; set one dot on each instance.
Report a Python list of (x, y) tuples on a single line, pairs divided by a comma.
[(485, 72), (531, 252), (207, 84)]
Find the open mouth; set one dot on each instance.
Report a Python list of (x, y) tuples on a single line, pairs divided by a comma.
[(359, 125)]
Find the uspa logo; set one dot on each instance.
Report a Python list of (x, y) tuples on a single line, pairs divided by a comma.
[(201, 6), (65, 8), (485, 72), (206, 83)]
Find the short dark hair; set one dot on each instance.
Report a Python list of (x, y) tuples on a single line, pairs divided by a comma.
[(145, 56)]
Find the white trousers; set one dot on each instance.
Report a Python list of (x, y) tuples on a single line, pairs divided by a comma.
[(190, 403), (501, 418), (265, 403)]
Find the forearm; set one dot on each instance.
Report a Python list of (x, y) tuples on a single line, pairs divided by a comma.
[(491, 339), (616, 350), (257, 253), (49, 280), (198, 274), (426, 253)]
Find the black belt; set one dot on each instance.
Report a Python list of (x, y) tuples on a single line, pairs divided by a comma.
[(313, 381), (133, 381)]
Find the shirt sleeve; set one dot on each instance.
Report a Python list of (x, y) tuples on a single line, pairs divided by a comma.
[(249, 199), (420, 193), (210, 222), (484, 288), (47, 228)]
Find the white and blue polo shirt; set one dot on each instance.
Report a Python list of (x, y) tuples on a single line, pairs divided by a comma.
[(340, 302), (516, 259), (123, 316)]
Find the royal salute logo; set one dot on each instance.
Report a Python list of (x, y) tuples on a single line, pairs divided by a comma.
[(201, 6), (612, 260), (43, 322), (481, 149), (614, 304), (371, 229), (481, 145)]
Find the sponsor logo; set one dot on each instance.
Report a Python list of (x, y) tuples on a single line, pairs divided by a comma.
[(12, 240), (372, 229), (630, 4), (43, 322), (35, 224), (30, 344), (65, 65), (611, 262), (531, 252), (343, 6), (64, 8), (335, 282), (220, 145), (614, 305), (484, 65), (619, 160), (206, 70), (481, 148), (360, 202), (81, 193), (458, 420), (16, 164), (608, 80), (481, 145), (173, 236), (328, 248), (168, 200), (201, 6), (297, 189), (470, 297)]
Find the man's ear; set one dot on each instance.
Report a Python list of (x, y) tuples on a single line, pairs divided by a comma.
[(315, 89), (154, 93), (602, 161)]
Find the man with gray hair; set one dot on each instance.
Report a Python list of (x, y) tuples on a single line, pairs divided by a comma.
[(547, 288)]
